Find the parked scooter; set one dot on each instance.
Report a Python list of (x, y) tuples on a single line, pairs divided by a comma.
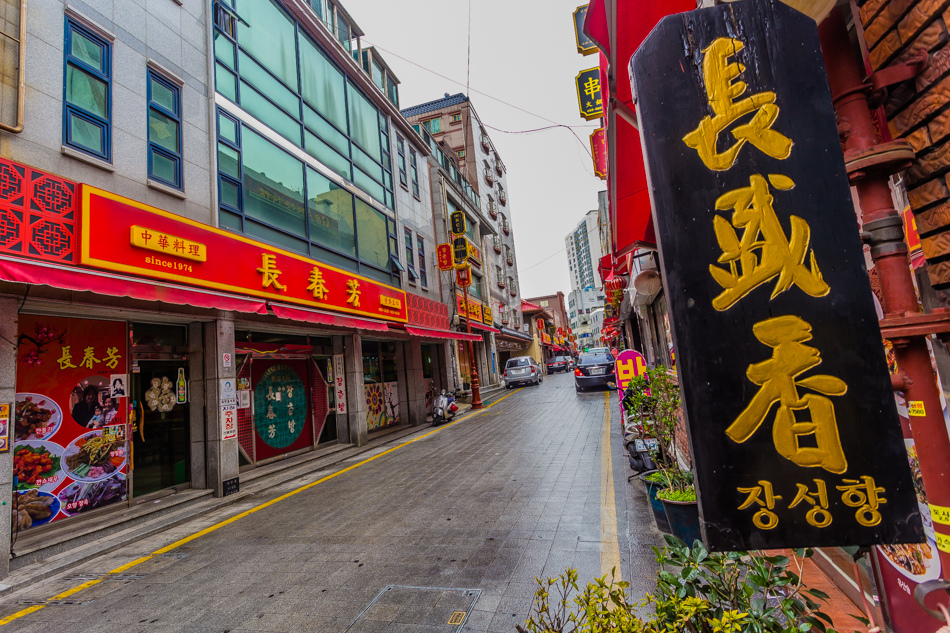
[(443, 408), (639, 445)]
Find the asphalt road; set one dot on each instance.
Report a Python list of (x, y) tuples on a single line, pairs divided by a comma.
[(454, 526)]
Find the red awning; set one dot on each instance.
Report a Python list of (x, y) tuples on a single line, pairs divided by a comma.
[(85, 280), (327, 318), (478, 326), (443, 334)]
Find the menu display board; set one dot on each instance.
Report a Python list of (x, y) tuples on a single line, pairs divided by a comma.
[(70, 417)]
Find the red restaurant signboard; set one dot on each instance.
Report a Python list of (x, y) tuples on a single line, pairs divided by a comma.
[(598, 150), (125, 236)]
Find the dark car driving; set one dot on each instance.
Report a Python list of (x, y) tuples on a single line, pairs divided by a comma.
[(557, 363), (594, 370)]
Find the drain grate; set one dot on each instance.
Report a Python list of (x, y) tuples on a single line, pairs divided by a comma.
[(403, 608)]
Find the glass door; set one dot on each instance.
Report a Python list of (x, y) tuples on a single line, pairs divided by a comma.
[(161, 456)]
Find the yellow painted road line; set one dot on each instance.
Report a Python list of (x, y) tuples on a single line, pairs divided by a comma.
[(237, 517), (609, 541)]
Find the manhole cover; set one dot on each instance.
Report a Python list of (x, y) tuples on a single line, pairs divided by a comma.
[(398, 608)]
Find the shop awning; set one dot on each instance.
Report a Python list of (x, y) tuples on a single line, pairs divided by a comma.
[(510, 334), (85, 280), (487, 328), (423, 332), (327, 318)]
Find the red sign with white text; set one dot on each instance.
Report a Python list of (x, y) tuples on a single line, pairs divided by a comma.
[(598, 150), (125, 236)]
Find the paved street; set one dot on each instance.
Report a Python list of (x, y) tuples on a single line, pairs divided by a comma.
[(474, 511)]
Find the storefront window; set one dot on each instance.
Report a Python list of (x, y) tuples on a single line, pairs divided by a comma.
[(372, 373)]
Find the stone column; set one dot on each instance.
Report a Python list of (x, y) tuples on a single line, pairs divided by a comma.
[(222, 455), (403, 381), (355, 392), (8, 356), (415, 382), (196, 405)]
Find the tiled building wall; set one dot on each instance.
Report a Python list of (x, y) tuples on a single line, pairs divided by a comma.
[(919, 111)]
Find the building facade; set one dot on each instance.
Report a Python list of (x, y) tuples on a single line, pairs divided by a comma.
[(217, 236), (454, 125)]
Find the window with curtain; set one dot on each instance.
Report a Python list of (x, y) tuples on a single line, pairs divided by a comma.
[(270, 38), (322, 84), (372, 235), (364, 122), (331, 214), (87, 115)]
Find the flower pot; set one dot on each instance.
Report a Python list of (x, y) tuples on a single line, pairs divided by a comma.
[(683, 517), (659, 515)]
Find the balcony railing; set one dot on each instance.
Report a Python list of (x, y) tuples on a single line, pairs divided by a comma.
[(504, 226), (498, 168), (489, 176), (485, 142), (496, 242), (492, 209), (502, 198)]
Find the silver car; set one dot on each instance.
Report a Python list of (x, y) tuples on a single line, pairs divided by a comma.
[(522, 370)]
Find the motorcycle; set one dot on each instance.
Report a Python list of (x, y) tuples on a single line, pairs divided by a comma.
[(639, 445), (443, 408)]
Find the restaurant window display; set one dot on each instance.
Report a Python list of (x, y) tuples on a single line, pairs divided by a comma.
[(71, 416), (381, 384)]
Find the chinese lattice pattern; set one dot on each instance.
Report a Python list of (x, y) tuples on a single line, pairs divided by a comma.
[(37, 213), (427, 313)]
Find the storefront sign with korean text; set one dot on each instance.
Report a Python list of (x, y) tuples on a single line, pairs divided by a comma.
[(70, 418), (793, 429), (125, 236)]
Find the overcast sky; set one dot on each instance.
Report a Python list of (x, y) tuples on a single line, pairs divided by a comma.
[(523, 53)]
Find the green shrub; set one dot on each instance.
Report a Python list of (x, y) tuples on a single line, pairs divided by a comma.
[(696, 592), (655, 478), (670, 494)]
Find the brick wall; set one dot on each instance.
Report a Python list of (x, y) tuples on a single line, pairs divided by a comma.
[(919, 111)]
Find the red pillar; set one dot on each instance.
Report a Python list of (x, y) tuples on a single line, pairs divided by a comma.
[(869, 167)]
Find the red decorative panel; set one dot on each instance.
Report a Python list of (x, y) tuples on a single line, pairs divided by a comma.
[(37, 213), (427, 313)]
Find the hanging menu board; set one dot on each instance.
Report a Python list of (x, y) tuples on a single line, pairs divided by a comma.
[(70, 418)]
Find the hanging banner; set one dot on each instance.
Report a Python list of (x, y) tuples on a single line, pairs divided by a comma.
[(444, 256), (339, 383), (70, 417), (588, 94), (458, 223), (793, 430), (598, 150)]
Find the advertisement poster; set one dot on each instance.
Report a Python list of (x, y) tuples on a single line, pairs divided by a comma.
[(69, 437)]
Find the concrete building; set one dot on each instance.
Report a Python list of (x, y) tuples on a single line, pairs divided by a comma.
[(454, 125), (584, 252), (207, 239), (580, 306)]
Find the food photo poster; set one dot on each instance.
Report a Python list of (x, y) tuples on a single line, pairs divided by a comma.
[(71, 411)]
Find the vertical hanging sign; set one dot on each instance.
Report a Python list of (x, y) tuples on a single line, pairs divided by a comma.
[(339, 383), (588, 94), (598, 150), (793, 430)]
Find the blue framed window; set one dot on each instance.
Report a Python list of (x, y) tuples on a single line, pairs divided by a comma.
[(164, 131), (87, 88)]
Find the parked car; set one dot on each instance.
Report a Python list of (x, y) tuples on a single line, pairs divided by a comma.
[(522, 370), (594, 370), (558, 363)]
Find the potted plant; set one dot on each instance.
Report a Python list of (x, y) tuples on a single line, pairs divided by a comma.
[(653, 399)]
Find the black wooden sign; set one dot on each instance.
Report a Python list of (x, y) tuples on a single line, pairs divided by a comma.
[(793, 428)]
